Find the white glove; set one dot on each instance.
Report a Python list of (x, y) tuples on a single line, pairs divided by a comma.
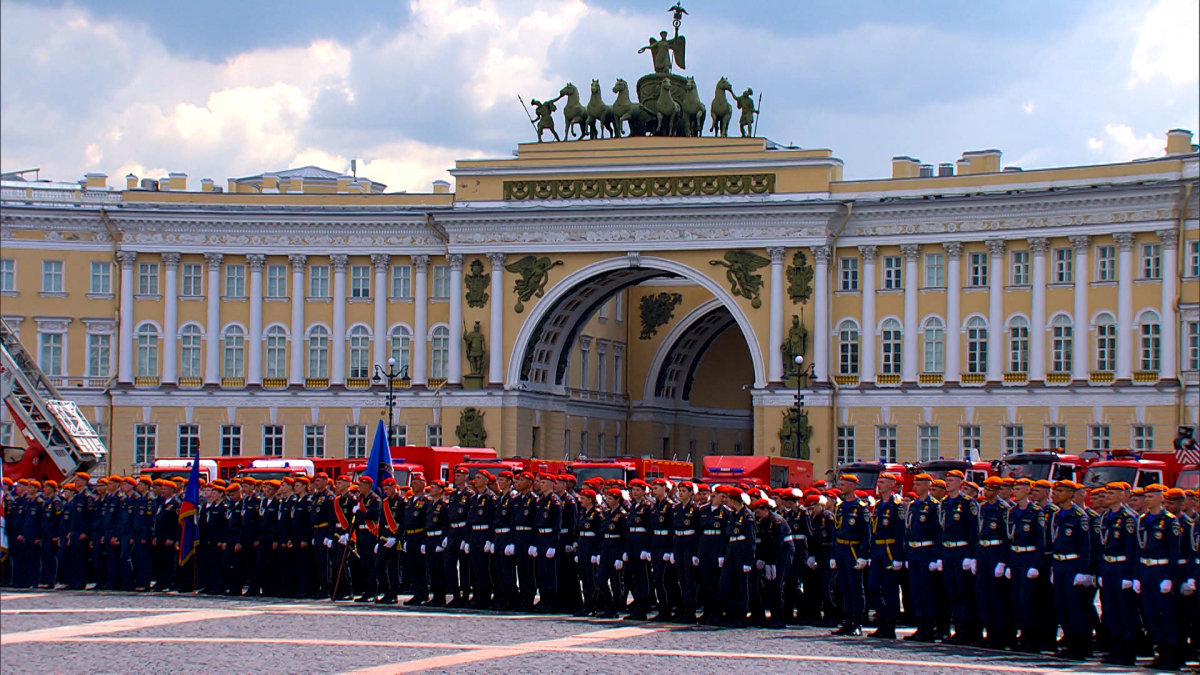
[(422, 549), (667, 557), (404, 547), (344, 539), (1126, 584), (905, 564), (569, 548), (489, 547), (860, 564), (532, 551), (811, 562), (770, 572), (511, 549), (624, 557), (376, 547), (466, 548), (897, 565), (832, 564), (939, 566), (933, 566), (1032, 573), (760, 564), (1188, 587), (328, 542), (672, 560), (1165, 586), (1080, 580), (439, 549), (549, 554), (745, 569), (1008, 573), (1100, 581), (967, 564), (577, 560), (720, 562), (618, 565), (695, 561), (1000, 569), (644, 555), (445, 542), (1137, 586), (595, 560), (389, 542), (355, 509)]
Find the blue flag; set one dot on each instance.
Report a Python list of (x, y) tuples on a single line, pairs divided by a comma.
[(187, 514), (379, 464)]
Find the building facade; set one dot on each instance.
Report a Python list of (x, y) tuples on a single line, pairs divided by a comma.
[(629, 296)]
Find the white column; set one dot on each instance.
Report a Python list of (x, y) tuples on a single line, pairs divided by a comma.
[(420, 319), (1170, 320), (454, 367), (496, 329), (953, 317), (1080, 363), (1037, 313), (912, 331), (821, 328), (212, 331), (296, 367), (867, 352), (379, 351), (775, 343), (1125, 340), (254, 342), (337, 353), (996, 341), (170, 317), (125, 351)]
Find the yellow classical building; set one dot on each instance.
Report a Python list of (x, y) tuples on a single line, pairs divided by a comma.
[(632, 296)]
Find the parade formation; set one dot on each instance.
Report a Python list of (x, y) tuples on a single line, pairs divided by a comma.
[(1004, 565)]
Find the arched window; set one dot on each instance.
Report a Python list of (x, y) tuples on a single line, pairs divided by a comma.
[(318, 353), (935, 346), (190, 342), (890, 342), (147, 358), (401, 341), (235, 352), (440, 356), (977, 337), (1061, 338), (1018, 345), (1150, 334), (848, 348), (276, 346), (1106, 343), (360, 352)]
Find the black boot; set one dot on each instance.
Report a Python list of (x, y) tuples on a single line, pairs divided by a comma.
[(850, 627), (885, 631)]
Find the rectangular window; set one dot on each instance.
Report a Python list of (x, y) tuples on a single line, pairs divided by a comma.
[(1193, 259), (52, 276), (1106, 347), (603, 314), (433, 435), (235, 281), (1018, 347), (601, 371), (849, 267), (1106, 263), (318, 281), (1193, 346), (399, 434), (1020, 268), (886, 443), (584, 380), (600, 445), (619, 307), (845, 444), (1143, 437), (231, 440), (6, 429), (1064, 266), (1014, 439), (99, 355), (893, 272), (145, 443), (441, 281), (972, 442), (276, 281), (617, 373), (583, 443), (977, 269), (8, 274), (935, 270), (1056, 436), (101, 281), (191, 280), (356, 441), (401, 281), (273, 440), (189, 440), (930, 443), (50, 353), (314, 440), (1151, 261), (147, 279), (1099, 437), (360, 281)]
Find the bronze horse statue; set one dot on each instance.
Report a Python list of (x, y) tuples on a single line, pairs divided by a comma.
[(625, 110), (573, 112), (693, 110), (599, 111), (721, 109), (667, 110)]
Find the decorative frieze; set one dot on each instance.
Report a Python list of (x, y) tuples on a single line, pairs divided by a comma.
[(657, 186)]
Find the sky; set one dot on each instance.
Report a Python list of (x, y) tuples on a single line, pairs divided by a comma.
[(223, 89)]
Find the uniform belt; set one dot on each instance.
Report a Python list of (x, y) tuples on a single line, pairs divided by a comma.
[(1063, 557), (800, 537), (503, 530), (884, 542), (714, 532), (684, 533), (1115, 558), (919, 544), (524, 528), (320, 525), (585, 533), (636, 529), (361, 527), (418, 530), (565, 530), (740, 537), (434, 533), (545, 530), (990, 542), (612, 536), (1024, 549), (953, 544), (662, 533), (1155, 562), (455, 526), (479, 528), (847, 542)]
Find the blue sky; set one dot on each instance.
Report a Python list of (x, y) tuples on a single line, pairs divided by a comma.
[(222, 89)]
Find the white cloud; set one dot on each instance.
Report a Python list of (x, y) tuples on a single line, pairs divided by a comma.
[(1168, 43), (1124, 144)]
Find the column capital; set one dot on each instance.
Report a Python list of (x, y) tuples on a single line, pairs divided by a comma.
[(456, 261), (822, 254), (953, 249), (339, 262), (297, 261), (381, 261), (1081, 242), (170, 260), (776, 253), (911, 251), (1039, 245), (421, 262), (1170, 239), (996, 246), (127, 259), (497, 259), (256, 261), (1124, 240), (869, 253), (213, 260)]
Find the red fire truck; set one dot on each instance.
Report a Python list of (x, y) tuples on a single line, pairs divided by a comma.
[(402, 472), (627, 468), (867, 474), (1048, 465), (976, 472), (169, 469), (437, 462), (775, 472)]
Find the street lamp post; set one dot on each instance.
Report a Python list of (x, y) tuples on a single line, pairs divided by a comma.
[(801, 373), (390, 374)]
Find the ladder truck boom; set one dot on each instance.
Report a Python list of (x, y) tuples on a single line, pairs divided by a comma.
[(53, 428)]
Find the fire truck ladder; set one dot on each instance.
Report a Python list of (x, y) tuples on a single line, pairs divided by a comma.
[(49, 424)]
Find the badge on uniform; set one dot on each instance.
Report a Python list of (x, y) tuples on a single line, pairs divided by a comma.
[(957, 515), (993, 524), (922, 519), (526, 511), (1158, 534), (1069, 531), (1026, 527), (687, 521), (852, 520)]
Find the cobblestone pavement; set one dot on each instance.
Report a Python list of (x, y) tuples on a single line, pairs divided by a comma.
[(101, 632)]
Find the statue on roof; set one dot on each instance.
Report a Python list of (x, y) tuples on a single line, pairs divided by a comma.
[(664, 48)]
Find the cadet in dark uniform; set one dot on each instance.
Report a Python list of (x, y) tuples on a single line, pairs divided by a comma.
[(366, 525), (50, 516), (637, 549), (887, 557), (75, 528), (1158, 534), (738, 561), (1116, 570), (143, 532), (610, 590), (457, 563), (479, 545), (1070, 541), (387, 567), (569, 600), (1027, 543), (437, 522), (993, 592), (213, 524), (234, 551), (924, 540), (266, 580), (774, 550), (959, 516), (685, 550), (301, 536), (713, 525), (343, 530), (111, 514), (412, 573), (320, 514), (852, 521), (250, 523), (588, 550), (503, 545), (797, 520), (166, 537), (661, 524), (524, 539), (548, 524)]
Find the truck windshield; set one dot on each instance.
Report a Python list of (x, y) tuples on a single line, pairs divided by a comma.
[(1189, 479), (606, 472), (493, 469), (866, 479), (268, 474), (1031, 470), (1099, 476), (403, 477), (171, 474)]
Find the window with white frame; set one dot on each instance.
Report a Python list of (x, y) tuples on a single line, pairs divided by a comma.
[(566, 442), (890, 345), (101, 431), (971, 441), (1151, 261), (99, 361), (147, 351), (318, 281), (275, 345), (272, 440), (314, 440), (583, 443), (977, 345), (584, 370), (399, 434), (145, 443), (848, 348), (360, 281), (189, 440), (441, 281), (1018, 345), (1150, 342), (356, 441), (1106, 263), (1099, 437), (977, 269), (52, 276), (190, 344), (618, 372), (101, 278), (231, 440), (147, 279), (439, 347), (191, 280), (1062, 337), (845, 444), (602, 314), (885, 440), (360, 352), (433, 435), (6, 433), (1192, 356), (1064, 266), (318, 353), (1014, 439), (234, 352), (849, 271), (1056, 436), (893, 272), (1020, 268), (8, 275), (601, 370), (1193, 259), (600, 439), (50, 353), (930, 442), (935, 270), (401, 340), (401, 281), (277, 281), (1143, 437), (935, 346), (1106, 343), (235, 281), (619, 306)]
